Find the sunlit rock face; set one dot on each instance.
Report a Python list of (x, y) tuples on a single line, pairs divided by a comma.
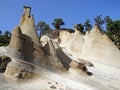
[(100, 48), (24, 46), (26, 50), (64, 57), (27, 26), (17, 70), (93, 46)]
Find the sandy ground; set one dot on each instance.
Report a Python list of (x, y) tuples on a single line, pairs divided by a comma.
[(72, 80), (36, 84), (94, 47), (105, 77)]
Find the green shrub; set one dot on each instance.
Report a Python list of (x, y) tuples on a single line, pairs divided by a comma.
[(4, 60)]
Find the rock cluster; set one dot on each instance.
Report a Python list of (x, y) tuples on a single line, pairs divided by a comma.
[(25, 47), (93, 46), (76, 65), (56, 51)]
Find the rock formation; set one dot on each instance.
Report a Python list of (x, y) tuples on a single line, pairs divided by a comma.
[(64, 57), (27, 52), (57, 52), (92, 46), (27, 26)]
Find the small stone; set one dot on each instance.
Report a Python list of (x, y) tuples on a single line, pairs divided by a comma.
[(49, 82), (56, 83), (53, 87), (89, 73)]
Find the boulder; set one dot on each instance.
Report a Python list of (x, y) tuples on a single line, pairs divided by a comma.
[(17, 70), (77, 65)]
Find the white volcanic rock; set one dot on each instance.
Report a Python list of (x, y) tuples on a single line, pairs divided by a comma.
[(98, 47), (27, 26), (25, 49), (93, 46), (41, 61)]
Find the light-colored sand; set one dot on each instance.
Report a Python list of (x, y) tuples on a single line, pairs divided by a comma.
[(71, 80)]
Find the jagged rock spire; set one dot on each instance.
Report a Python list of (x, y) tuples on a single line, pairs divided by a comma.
[(27, 26), (27, 10), (24, 40)]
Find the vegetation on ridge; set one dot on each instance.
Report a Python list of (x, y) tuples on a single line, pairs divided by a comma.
[(4, 60), (5, 38), (106, 25)]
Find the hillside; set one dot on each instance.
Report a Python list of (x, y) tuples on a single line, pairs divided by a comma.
[(68, 61)]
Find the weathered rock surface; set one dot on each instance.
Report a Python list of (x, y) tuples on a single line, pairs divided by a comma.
[(26, 47), (17, 70), (93, 46), (76, 65), (63, 57), (27, 26)]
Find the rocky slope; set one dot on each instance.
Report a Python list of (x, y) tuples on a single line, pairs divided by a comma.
[(66, 61)]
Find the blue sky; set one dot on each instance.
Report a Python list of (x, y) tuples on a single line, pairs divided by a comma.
[(71, 11)]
